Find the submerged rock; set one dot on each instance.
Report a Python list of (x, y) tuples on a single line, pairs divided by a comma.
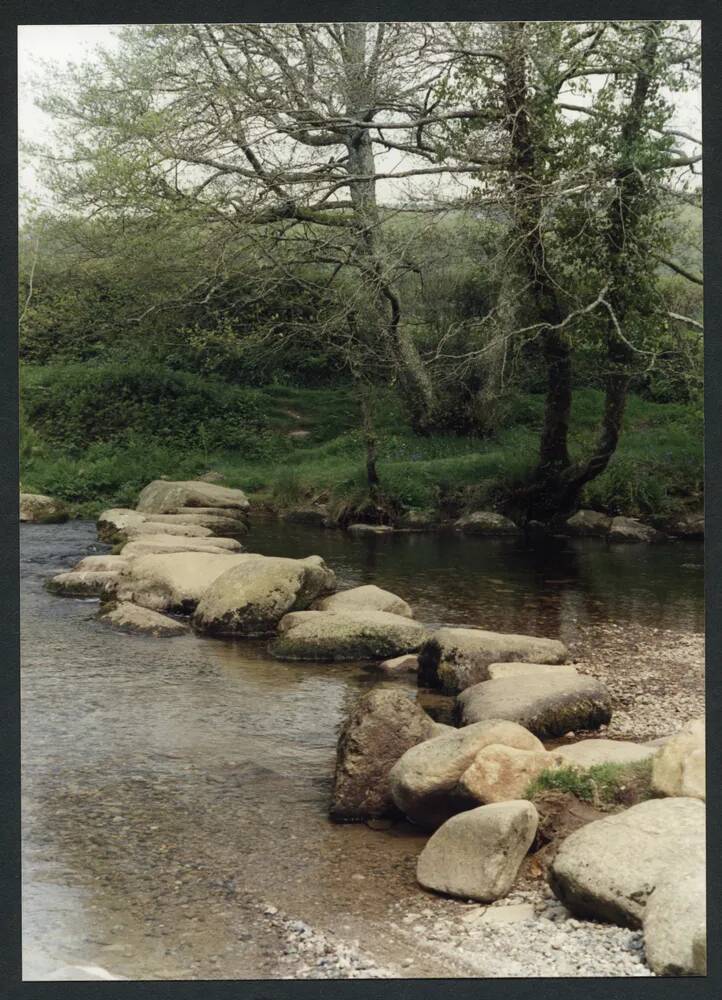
[(360, 598), (486, 522), (314, 516), (135, 619), (679, 767), (173, 581), (162, 496), (370, 529), (608, 869), (36, 508), (548, 705), (253, 596), (424, 782), (349, 635), (455, 658), (383, 725), (477, 854)]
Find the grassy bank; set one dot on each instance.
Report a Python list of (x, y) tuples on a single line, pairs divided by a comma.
[(93, 438)]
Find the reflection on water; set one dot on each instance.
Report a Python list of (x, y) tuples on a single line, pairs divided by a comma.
[(121, 732)]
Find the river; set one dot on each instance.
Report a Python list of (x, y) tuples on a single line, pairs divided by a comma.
[(174, 790)]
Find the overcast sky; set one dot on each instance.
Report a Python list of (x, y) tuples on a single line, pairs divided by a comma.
[(60, 44)]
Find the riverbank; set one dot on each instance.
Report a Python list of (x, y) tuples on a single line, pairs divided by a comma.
[(176, 791), (287, 448)]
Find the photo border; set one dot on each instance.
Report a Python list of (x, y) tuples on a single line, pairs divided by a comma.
[(156, 11)]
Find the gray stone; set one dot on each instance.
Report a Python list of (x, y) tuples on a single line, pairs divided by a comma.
[(588, 753), (679, 767), (499, 670), (36, 508), (383, 725), (113, 524), (101, 564), (368, 596), (160, 544), (589, 523), (349, 635), (83, 583), (370, 529), (608, 869), (424, 782), (629, 529), (162, 496), (133, 618), (499, 773), (251, 597), (173, 581), (477, 854), (314, 516), (407, 664), (688, 526), (455, 658), (675, 923), (486, 522), (548, 705)]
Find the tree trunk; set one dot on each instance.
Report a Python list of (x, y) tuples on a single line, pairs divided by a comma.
[(398, 344)]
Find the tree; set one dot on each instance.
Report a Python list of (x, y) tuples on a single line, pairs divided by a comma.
[(586, 207)]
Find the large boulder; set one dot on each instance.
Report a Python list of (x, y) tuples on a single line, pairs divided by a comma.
[(383, 725), (589, 523), (629, 529), (679, 767), (163, 496), (424, 782), (589, 753), (132, 618), (675, 924), (349, 635), (252, 597), (477, 854), (36, 508), (161, 543), (173, 581), (113, 524), (455, 658), (499, 773), (548, 705), (368, 596), (486, 522), (608, 869), (84, 583)]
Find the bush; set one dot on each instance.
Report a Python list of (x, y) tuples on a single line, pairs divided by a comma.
[(76, 405)]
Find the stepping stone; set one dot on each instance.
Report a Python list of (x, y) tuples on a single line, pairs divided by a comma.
[(548, 705)]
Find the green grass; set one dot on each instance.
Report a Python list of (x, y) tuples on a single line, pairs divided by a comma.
[(601, 784), (93, 438)]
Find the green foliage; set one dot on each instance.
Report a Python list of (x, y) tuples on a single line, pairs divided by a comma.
[(601, 784), (75, 405)]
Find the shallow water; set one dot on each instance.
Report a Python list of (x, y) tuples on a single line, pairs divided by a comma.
[(171, 786)]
